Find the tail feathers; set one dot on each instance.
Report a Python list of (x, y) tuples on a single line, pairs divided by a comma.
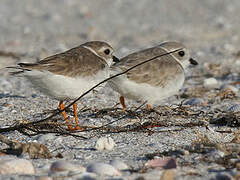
[(15, 73), (23, 65), (19, 70)]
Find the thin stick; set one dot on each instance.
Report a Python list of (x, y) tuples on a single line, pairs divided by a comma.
[(7, 129)]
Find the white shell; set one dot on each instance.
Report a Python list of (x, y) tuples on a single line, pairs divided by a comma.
[(105, 143), (210, 83)]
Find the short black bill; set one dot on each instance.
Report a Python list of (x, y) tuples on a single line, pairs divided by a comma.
[(193, 62), (115, 59)]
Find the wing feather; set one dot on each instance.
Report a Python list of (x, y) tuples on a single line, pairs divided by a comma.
[(74, 62), (156, 73)]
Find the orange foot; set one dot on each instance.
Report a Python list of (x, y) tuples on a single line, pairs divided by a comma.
[(70, 128), (79, 128), (122, 101), (149, 107)]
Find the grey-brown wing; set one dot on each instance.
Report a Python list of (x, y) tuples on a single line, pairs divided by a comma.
[(74, 62), (157, 72)]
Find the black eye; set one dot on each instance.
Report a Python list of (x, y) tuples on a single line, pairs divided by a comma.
[(107, 51), (181, 53)]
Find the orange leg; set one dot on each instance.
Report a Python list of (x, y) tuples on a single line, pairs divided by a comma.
[(76, 117), (149, 107), (61, 106), (123, 103)]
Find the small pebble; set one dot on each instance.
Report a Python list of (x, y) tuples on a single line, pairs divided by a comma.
[(43, 178), (223, 176), (229, 47), (105, 143), (86, 176), (140, 178), (3, 154), (168, 175), (186, 152), (238, 166), (234, 161), (234, 108), (118, 164), (237, 176), (46, 137), (10, 165), (66, 166), (210, 83), (215, 154), (232, 88), (194, 101), (59, 173), (162, 163), (5, 84), (103, 169)]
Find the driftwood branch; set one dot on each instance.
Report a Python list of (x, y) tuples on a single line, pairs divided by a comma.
[(21, 126)]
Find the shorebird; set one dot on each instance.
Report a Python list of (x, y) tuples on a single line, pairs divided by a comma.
[(67, 75), (155, 80)]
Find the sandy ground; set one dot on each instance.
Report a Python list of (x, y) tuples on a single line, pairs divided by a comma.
[(32, 30)]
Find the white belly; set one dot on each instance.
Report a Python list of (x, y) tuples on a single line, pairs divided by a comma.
[(144, 91), (61, 87)]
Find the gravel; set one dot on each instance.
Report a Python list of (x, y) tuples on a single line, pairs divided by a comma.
[(32, 30)]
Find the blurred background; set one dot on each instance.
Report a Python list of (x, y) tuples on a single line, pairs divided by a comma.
[(35, 29)]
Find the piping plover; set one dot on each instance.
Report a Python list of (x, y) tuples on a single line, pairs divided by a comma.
[(155, 80), (67, 75)]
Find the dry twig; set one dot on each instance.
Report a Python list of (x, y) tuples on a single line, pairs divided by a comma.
[(19, 127)]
